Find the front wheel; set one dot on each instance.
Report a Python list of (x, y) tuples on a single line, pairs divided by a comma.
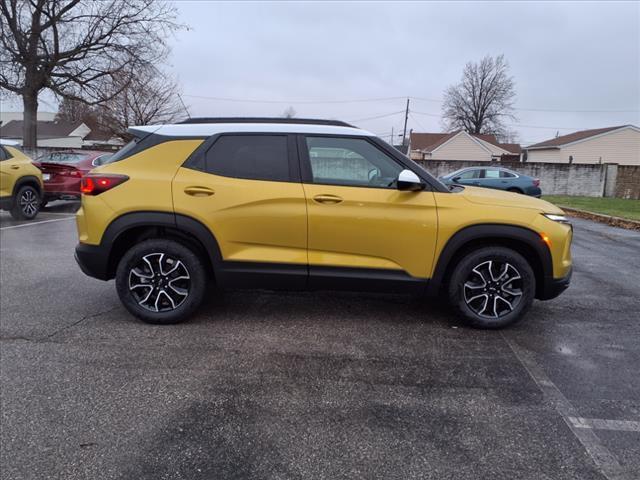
[(161, 281), (26, 205), (492, 287)]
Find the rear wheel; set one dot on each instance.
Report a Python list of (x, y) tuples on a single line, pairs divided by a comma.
[(492, 287), (161, 281), (514, 190), (26, 205)]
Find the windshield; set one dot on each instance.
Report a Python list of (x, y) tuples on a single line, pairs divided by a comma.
[(68, 158)]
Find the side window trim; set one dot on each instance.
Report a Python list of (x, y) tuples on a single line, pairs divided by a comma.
[(305, 161), (5, 153)]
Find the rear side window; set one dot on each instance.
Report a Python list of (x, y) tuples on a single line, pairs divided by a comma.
[(254, 157), (123, 152), (491, 173), (505, 174), (63, 157)]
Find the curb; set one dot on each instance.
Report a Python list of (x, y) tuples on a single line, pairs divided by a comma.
[(599, 217)]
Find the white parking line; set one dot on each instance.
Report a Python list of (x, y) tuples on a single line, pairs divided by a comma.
[(606, 461), (37, 223), (602, 424)]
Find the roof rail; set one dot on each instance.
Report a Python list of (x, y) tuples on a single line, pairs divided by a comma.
[(305, 121)]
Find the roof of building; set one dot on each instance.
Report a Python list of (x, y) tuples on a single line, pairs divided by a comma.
[(430, 141), (207, 129), (46, 129), (574, 137)]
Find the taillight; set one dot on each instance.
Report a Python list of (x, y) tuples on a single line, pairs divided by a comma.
[(536, 182), (97, 184)]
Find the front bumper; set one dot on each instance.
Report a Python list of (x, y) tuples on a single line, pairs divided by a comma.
[(554, 286), (93, 261)]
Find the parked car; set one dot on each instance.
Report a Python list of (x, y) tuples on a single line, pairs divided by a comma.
[(495, 177), (62, 172), (20, 183), (307, 204)]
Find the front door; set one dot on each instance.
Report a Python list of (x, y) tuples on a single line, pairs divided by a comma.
[(247, 191), (359, 223)]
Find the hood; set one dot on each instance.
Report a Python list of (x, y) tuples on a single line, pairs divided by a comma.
[(488, 196)]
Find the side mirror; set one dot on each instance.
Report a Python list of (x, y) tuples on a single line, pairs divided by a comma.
[(455, 179), (409, 181), (96, 162)]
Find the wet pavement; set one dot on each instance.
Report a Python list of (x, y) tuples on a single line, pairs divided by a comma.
[(326, 385)]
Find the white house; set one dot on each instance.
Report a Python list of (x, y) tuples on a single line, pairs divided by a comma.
[(61, 134), (6, 117), (619, 145), (461, 146)]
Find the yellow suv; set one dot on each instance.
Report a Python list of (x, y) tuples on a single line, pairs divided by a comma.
[(20, 184), (307, 204)]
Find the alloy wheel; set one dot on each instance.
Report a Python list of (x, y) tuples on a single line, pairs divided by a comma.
[(159, 282), (493, 289), (29, 203)]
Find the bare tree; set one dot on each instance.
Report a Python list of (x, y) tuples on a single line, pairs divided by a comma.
[(289, 112), (149, 97), (76, 48), (482, 100)]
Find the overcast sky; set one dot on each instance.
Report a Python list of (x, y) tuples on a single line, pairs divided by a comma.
[(564, 56)]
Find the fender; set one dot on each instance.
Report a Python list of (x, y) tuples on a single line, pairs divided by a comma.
[(491, 231), (183, 223), (27, 179)]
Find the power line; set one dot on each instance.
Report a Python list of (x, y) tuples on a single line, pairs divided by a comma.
[(298, 102), (376, 117), (427, 114), (416, 120), (381, 99), (552, 110)]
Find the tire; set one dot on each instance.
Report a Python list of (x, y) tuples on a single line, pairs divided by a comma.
[(168, 274), (26, 203), (514, 190), (492, 298)]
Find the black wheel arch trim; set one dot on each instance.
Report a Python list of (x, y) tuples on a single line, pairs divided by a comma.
[(31, 180), (481, 232), (97, 260)]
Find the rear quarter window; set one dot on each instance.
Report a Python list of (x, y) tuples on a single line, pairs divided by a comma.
[(253, 157)]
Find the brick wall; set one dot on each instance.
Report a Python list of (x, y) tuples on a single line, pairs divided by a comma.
[(555, 178), (628, 182)]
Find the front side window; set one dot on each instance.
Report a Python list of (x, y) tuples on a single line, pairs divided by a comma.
[(350, 162), (469, 174), (3, 153), (254, 157)]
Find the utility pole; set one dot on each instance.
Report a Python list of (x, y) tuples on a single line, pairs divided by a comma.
[(392, 140), (406, 117)]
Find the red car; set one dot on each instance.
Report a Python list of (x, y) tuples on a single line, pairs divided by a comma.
[(62, 172)]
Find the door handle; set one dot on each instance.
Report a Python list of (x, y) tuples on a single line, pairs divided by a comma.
[(15, 167), (327, 199), (199, 191)]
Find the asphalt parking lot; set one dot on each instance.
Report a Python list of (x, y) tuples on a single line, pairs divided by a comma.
[(294, 385)]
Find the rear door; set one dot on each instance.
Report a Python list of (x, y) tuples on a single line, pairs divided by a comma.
[(360, 225), (246, 189)]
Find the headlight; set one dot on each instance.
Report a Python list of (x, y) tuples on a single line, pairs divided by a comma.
[(556, 218)]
